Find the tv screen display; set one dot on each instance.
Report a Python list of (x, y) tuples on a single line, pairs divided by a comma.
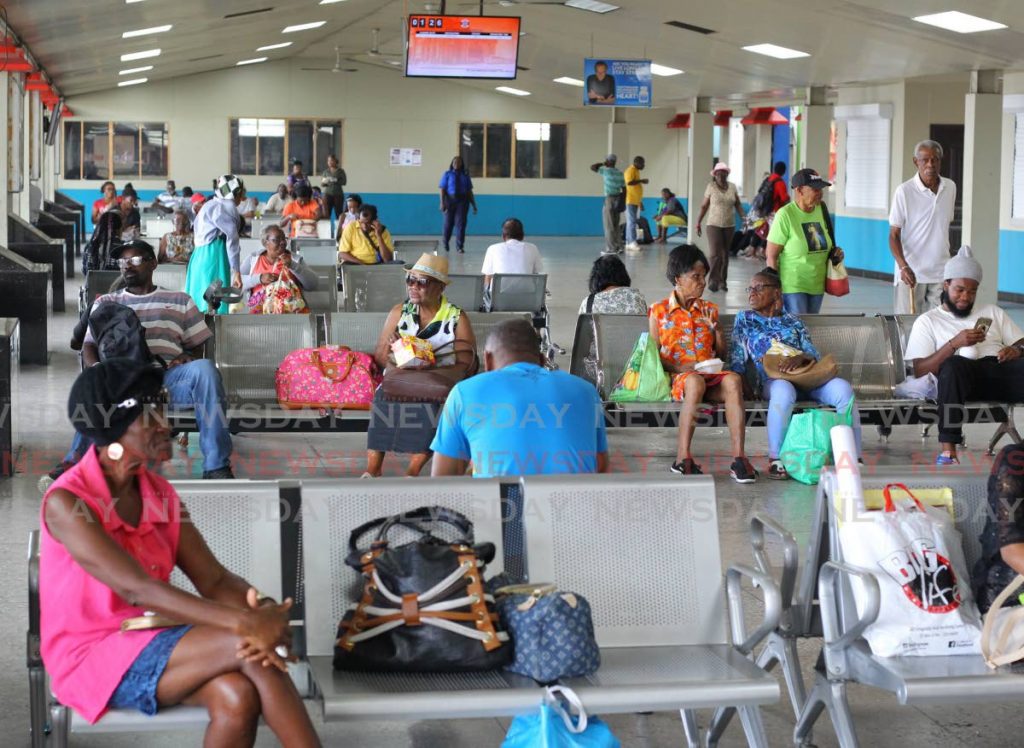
[(462, 47)]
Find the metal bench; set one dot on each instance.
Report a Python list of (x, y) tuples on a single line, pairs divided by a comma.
[(10, 348), (411, 249), (97, 283), (372, 288), (67, 214), (599, 535), (466, 292), (330, 509), (899, 326), (75, 207), (242, 521), (157, 227), (515, 292), (316, 251), (824, 593), (325, 297), (170, 276)]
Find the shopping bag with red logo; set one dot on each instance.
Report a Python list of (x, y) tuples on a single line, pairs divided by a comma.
[(915, 553)]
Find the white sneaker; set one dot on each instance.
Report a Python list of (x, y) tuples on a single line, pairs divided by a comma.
[(632, 247)]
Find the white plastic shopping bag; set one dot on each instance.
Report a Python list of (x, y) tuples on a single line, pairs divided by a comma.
[(914, 552)]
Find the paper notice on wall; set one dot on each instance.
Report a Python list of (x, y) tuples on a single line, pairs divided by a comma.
[(406, 157)]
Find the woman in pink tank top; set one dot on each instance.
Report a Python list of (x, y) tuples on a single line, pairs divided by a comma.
[(112, 532)]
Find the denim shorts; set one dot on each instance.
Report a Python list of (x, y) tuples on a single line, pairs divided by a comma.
[(137, 689)]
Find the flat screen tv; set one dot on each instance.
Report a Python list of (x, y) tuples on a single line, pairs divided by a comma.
[(462, 47)]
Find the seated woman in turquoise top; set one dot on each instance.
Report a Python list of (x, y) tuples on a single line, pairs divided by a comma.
[(753, 333)]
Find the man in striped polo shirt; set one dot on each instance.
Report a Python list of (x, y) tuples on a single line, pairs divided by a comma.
[(175, 331)]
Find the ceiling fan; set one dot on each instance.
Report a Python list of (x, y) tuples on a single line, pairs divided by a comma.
[(337, 65)]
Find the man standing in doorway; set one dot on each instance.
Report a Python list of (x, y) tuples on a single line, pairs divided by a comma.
[(922, 209), (634, 200), (614, 186)]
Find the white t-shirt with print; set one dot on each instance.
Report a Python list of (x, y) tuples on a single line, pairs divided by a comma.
[(512, 257)]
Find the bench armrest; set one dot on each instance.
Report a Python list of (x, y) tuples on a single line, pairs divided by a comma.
[(836, 639), (32, 655), (760, 525), (742, 641)]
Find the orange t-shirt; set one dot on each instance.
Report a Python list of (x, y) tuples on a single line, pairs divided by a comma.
[(307, 212)]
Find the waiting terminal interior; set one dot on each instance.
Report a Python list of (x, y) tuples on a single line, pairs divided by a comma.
[(432, 373)]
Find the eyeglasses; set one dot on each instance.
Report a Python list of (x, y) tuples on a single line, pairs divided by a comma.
[(136, 261), (760, 288), (412, 280), (275, 239)]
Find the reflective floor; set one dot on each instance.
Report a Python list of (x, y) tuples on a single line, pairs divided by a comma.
[(44, 436)]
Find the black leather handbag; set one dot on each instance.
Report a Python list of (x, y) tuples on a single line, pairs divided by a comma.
[(423, 607)]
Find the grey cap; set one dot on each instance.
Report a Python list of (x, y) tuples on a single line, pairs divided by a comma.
[(611, 157), (963, 265)]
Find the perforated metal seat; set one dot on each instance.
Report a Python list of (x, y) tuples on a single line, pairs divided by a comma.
[(372, 288), (250, 347), (330, 509), (610, 538), (410, 250), (466, 292), (317, 251), (325, 297), (241, 522), (170, 277)]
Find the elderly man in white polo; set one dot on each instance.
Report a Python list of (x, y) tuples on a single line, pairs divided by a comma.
[(922, 209)]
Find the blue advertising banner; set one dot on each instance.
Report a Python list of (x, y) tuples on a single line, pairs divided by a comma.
[(617, 82)]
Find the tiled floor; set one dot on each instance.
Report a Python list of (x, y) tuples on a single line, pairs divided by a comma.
[(44, 434)]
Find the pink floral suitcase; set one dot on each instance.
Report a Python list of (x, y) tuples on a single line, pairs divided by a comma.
[(330, 377)]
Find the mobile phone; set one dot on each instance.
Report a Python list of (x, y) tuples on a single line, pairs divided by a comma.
[(983, 324)]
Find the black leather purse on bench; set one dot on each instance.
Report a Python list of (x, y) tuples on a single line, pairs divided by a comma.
[(423, 606)]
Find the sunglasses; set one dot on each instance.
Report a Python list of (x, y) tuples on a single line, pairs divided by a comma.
[(412, 280), (136, 261)]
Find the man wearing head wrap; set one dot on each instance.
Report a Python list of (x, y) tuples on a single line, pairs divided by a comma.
[(974, 351)]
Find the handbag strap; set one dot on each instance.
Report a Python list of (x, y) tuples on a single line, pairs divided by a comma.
[(555, 695), (590, 303), (1012, 620), (411, 520), (350, 361), (890, 505)]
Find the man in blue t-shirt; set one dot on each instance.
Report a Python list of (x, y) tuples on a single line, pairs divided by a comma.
[(518, 418)]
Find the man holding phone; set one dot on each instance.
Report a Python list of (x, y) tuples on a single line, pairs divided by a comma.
[(974, 352)]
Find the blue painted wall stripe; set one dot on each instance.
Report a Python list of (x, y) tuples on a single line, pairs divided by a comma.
[(416, 214)]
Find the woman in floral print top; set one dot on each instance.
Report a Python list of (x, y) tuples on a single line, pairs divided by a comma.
[(686, 328)]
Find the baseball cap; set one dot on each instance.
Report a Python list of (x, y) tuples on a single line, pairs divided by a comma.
[(143, 248), (809, 178), (611, 157)]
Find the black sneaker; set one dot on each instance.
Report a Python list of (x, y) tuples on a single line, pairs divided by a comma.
[(223, 473), (460, 250), (686, 467), (777, 471), (742, 471)]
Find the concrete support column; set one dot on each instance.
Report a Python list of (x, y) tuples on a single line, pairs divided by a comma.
[(750, 173), (4, 195), (701, 151), (815, 145), (763, 138), (983, 121), (25, 196), (618, 137), (723, 143)]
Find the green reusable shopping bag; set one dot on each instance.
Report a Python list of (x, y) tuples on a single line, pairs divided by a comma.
[(807, 447), (644, 379)]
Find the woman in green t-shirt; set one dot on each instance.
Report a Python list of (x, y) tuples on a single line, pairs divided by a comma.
[(800, 244)]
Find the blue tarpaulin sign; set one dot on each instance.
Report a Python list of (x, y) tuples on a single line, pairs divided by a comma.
[(616, 82)]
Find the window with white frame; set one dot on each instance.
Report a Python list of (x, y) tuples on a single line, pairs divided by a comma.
[(1018, 166), (868, 145)]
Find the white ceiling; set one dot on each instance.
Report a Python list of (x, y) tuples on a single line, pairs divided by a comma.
[(78, 42)]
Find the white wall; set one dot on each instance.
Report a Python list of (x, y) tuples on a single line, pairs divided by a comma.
[(380, 109)]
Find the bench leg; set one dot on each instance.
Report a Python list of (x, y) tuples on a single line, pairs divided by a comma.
[(60, 719), (1007, 428), (690, 727), (37, 705), (753, 727), (832, 696)]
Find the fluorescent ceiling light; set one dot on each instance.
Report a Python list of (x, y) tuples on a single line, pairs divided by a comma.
[(961, 23), (664, 70), (269, 47), (303, 27), (569, 81), (132, 1), (330, 2), (132, 82), (146, 32), (513, 91), (253, 61), (774, 50), (594, 6), (143, 69), (140, 55)]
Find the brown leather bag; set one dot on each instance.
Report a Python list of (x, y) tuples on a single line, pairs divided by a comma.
[(427, 385), (807, 377)]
